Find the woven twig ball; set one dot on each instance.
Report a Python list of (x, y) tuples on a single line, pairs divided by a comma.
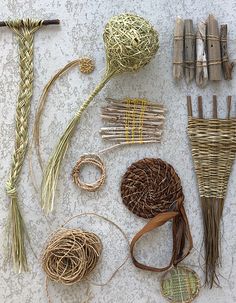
[(130, 42), (86, 65), (180, 285), (151, 186), (70, 255)]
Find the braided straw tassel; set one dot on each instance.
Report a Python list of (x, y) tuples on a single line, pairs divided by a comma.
[(25, 30)]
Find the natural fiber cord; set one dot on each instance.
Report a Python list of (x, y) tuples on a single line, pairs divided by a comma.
[(130, 43), (71, 254), (25, 30)]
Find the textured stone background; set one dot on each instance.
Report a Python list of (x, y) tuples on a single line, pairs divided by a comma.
[(80, 33)]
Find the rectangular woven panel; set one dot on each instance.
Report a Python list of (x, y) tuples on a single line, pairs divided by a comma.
[(213, 148)]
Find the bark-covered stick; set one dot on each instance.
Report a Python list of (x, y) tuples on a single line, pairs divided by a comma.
[(201, 62), (226, 65), (178, 52), (213, 49)]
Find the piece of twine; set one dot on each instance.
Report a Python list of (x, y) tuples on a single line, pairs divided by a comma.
[(70, 255), (24, 29), (130, 43)]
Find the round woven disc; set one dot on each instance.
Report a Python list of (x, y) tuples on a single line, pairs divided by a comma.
[(180, 285), (151, 186)]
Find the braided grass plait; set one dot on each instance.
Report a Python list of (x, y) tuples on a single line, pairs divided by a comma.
[(25, 30)]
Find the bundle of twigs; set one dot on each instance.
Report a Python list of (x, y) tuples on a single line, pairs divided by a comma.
[(204, 54), (213, 148), (132, 121)]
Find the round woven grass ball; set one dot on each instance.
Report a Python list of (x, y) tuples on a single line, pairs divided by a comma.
[(180, 285), (130, 41), (86, 65), (70, 255), (151, 186)]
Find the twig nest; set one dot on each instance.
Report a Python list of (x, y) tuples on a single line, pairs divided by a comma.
[(86, 65), (130, 43), (70, 255), (151, 186)]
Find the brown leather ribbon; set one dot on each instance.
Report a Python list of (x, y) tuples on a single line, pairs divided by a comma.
[(182, 239)]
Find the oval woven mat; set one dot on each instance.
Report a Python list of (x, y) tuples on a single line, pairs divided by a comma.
[(180, 285)]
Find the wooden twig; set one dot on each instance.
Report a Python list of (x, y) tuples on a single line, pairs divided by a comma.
[(123, 103), (201, 61), (178, 52), (226, 65), (189, 106), (45, 22), (189, 50), (214, 107), (213, 49), (229, 102), (200, 111)]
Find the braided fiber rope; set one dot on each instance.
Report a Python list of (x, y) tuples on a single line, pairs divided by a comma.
[(25, 30)]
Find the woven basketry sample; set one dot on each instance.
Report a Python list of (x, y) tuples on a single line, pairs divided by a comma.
[(213, 148), (151, 186), (213, 143), (180, 285), (132, 121)]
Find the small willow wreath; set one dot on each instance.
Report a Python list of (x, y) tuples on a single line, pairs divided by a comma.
[(92, 159)]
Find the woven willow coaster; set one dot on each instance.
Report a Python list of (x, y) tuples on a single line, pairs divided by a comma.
[(180, 285)]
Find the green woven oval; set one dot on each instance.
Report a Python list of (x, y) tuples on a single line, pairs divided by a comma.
[(180, 285)]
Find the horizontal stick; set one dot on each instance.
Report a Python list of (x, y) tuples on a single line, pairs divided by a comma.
[(137, 139), (123, 131), (123, 122), (115, 117), (151, 128), (130, 137), (144, 132), (45, 22), (111, 111), (123, 102)]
